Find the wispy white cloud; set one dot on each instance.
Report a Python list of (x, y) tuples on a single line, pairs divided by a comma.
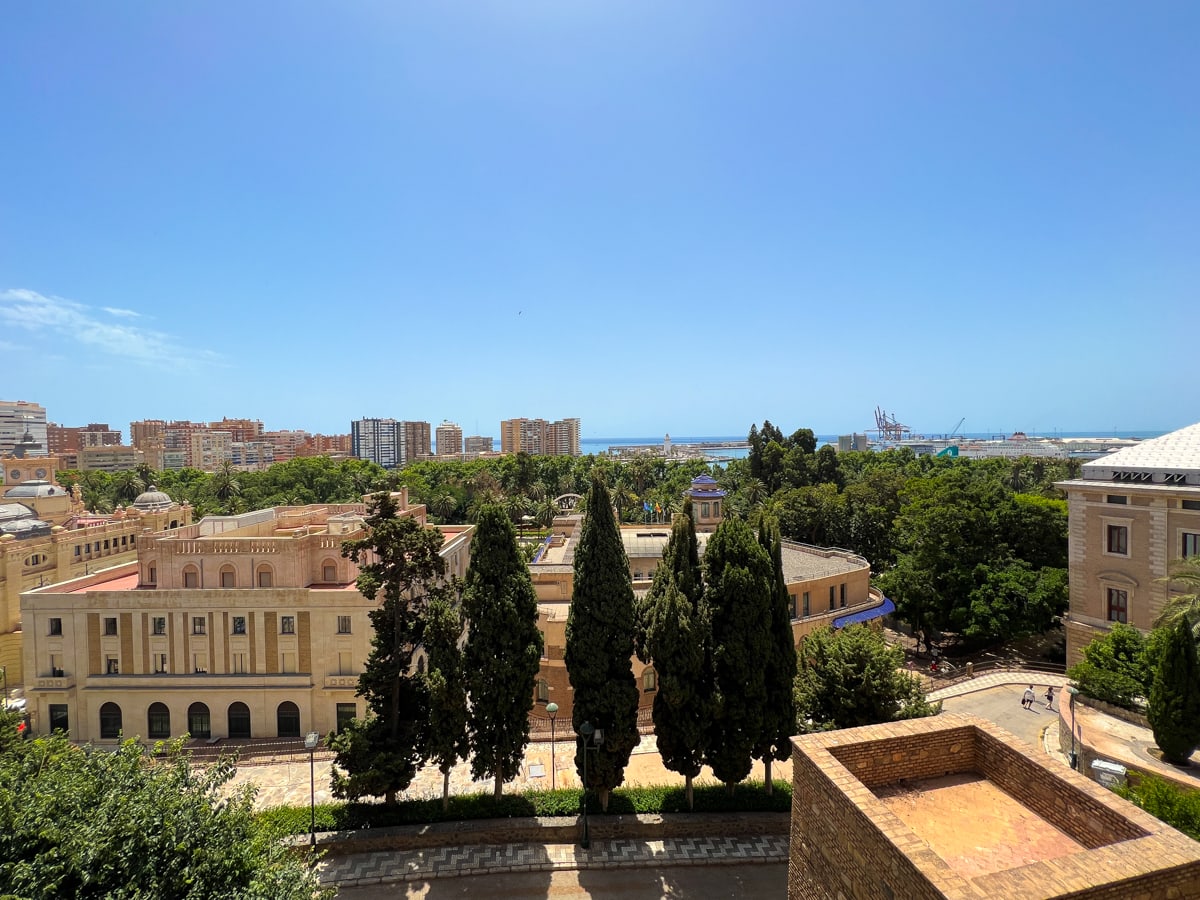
[(70, 321)]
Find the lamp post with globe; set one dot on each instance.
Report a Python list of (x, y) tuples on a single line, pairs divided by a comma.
[(552, 710)]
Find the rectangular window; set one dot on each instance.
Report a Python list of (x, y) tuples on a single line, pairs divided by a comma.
[(329, 574), (345, 666), (152, 574), (346, 713), (794, 603), (56, 669), (239, 663), (58, 717), (842, 595), (160, 663), (1118, 540), (110, 626), (805, 607), (1191, 547), (264, 578), (287, 624), (343, 625), (227, 580), (704, 511), (191, 579), (239, 624), (832, 598), (1119, 499), (200, 663), (1118, 605), (289, 663), (77, 550), (159, 624), (111, 666), (1190, 504), (198, 624), (56, 624)]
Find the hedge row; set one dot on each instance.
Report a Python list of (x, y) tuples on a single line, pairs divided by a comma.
[(749, 796), (1178, 807)]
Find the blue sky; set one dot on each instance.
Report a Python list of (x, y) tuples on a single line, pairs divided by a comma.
[(659, 217)]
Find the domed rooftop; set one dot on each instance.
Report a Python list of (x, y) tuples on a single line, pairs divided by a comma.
[(153, 500), (35, 489)]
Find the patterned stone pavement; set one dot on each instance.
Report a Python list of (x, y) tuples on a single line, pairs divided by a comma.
[(996, 679), (453, 862)]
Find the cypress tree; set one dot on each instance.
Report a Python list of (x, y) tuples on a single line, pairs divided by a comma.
[(779, 717), (738, 590), (399, 563), (446, 685), (1174, 707), (599, 651), (503, 650)]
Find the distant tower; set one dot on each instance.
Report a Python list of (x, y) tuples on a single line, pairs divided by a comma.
[(707, 499), (667, 445)]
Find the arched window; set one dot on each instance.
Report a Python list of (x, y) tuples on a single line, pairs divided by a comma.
[(199, 722), (152, 572), (158, 721), (287, 719), (265, 576), (329, 571), (239, 720), (228, 577), (649, 680), (191, 577), (543, 691), (110, 721)]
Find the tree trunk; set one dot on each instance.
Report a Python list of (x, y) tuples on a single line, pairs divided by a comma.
[(729, 786), (767, 766), (688, 788), (389, 798), (446, 790), (499, 792), (604, 795)]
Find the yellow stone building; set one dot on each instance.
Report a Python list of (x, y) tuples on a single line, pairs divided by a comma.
[(246, 626), (1132, 514)]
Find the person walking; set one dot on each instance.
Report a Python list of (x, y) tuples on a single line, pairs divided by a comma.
[(1027, 698), (1050, 697)]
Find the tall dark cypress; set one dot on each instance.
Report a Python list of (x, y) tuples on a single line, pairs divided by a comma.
[(779, 717)]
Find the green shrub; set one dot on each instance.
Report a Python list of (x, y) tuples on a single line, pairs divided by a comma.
[(747, 797), (1178, 807)]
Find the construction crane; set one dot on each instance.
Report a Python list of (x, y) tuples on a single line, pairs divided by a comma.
[(888, 427), (954, 430)]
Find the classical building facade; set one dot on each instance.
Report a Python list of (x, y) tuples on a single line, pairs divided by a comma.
[(245, 626), (46, 536), (1132, 514)]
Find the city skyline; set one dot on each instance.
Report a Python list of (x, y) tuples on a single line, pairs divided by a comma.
[(950, 212)]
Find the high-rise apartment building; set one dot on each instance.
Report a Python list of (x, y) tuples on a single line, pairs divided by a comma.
[(61, 438), (242, 429), (539, 437), (475, 444), (449, 439), (377, 440), (18, 417), (415, 443)]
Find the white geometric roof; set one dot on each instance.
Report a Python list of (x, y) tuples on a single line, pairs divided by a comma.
[(1171, 459)]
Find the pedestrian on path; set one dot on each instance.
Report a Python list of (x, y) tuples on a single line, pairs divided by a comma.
[(1027, 698), (1050, 696)]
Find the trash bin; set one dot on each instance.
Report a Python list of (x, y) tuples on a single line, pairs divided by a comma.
[(1109, 774)]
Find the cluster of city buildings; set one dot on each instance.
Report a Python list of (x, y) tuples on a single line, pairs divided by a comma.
[(247, 446)]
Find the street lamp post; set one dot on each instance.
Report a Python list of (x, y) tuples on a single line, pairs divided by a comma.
[(552, 709), (310, 744), (1072, 690), (587, 731), (4, 675)]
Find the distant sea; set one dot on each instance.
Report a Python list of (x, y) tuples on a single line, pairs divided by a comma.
[(601, 444)]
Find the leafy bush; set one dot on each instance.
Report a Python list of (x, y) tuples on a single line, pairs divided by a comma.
[(1115, 667), (1178, 807), (748, 797)]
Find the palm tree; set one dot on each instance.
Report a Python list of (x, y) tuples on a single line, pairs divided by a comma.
[(225, 485), (444, 505), (1182, 606), (126, 486)]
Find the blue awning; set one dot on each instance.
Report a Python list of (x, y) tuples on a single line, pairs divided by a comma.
[(865, 615)]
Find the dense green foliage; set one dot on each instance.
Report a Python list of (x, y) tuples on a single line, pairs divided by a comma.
[(1174, 707), (599, 651), (504, 648), (749, 796), (779, 666), (739, 587), (81, 823), (400, 566), (854, 677), (1115, 668), (1184, 604), (1174, 805)]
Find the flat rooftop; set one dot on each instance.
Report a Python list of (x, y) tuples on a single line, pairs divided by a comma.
[(952, 806)]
